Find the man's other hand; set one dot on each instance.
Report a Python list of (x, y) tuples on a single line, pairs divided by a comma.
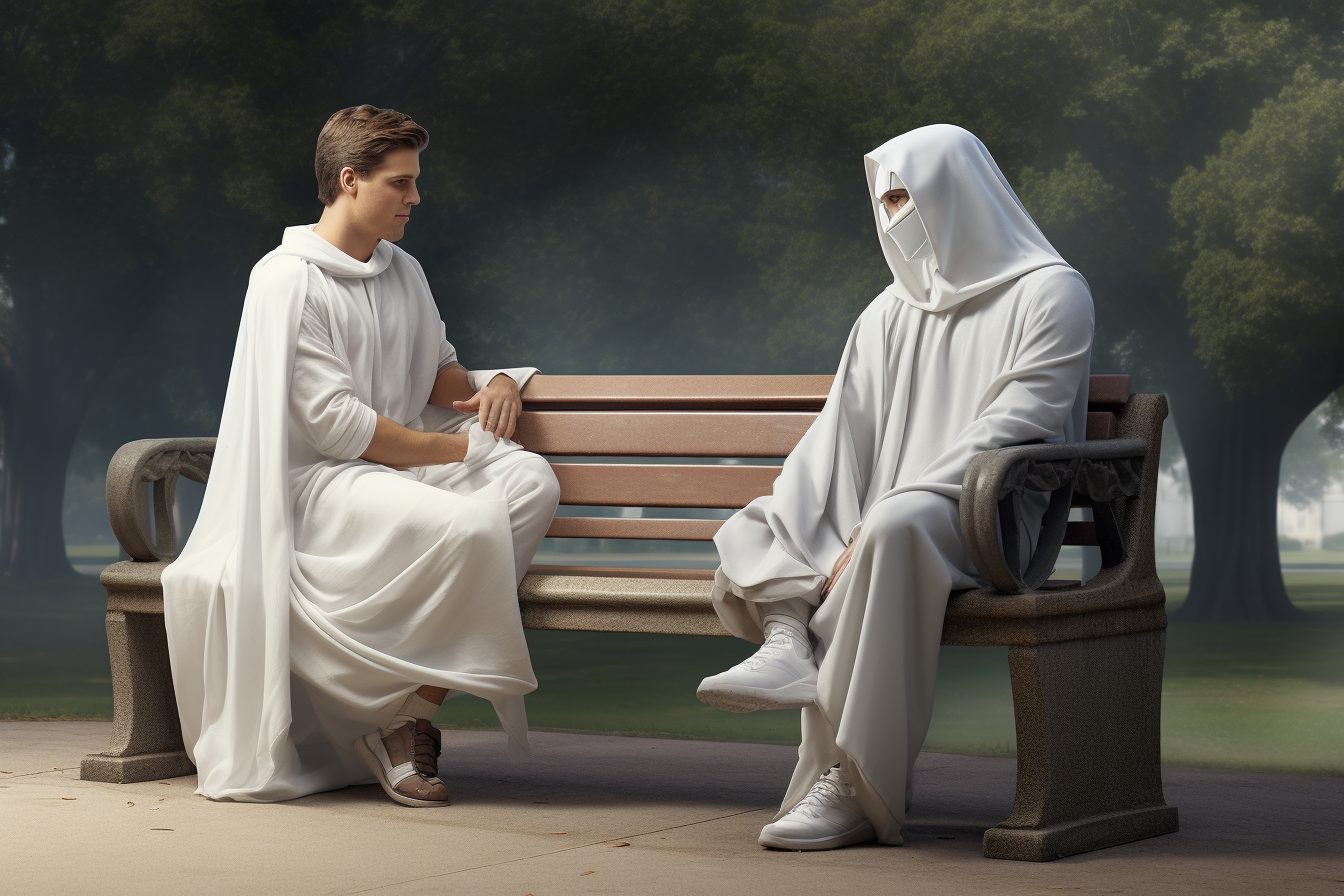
[(840, 565), (498, 404)]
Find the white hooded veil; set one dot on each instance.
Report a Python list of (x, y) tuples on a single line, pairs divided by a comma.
[(981, 234)]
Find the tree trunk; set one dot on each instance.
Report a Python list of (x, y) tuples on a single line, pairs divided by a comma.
[(1234, 447), (36, 453), (64, 339)]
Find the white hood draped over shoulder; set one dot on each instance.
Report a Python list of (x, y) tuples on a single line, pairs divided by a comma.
[(982, 340), (292, 628)]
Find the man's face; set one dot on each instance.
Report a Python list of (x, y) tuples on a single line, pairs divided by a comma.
[(894, 200), (382, 204)]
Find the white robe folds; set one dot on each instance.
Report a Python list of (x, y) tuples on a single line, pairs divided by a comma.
[(982, 344), (318, 589)]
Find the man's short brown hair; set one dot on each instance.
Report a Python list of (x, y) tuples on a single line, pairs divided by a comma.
[(358, 138)]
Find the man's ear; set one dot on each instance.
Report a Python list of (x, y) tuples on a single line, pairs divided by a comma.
[(348, 181)]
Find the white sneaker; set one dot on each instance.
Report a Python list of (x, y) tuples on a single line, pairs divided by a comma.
[(827, 818), (781, 675)]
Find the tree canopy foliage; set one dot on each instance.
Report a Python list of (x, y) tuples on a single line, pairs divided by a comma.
[(674, 185)]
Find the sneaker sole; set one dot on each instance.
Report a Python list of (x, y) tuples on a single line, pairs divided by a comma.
[(864, 833), (793, 696), (366, 756)]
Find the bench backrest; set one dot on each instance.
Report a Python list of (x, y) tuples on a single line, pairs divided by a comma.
[(693, 417)]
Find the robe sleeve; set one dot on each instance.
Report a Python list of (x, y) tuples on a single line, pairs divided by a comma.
[(323, 402), (1033, 400), (447, 354), (479, 379)]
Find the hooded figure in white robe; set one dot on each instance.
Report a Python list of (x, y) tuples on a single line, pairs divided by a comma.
[(982, 341), (318, 590)]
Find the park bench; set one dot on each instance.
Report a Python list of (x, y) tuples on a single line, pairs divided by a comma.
[(1085, 659)]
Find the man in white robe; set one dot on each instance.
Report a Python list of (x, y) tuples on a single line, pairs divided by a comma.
[(982, 341), (367, 519)]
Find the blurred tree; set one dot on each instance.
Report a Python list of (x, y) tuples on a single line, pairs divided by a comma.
[(1265, 218), (1310, 464), (137, 163), (78, 271)]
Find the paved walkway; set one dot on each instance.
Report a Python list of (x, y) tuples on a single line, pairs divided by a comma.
[(688, 810)]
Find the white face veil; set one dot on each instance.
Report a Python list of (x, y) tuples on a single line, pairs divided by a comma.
[(964, 230)]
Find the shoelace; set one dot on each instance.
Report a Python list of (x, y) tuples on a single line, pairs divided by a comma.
[(779, 641), (827, 792)]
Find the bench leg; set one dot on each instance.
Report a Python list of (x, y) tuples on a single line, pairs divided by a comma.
[(146, 735), (1089, 771)]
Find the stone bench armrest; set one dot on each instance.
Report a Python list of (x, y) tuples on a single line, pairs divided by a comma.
[(1101, 472), (160, 462)]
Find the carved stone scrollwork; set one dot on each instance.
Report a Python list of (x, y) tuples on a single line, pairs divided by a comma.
[(157, 462), (1100, 480)]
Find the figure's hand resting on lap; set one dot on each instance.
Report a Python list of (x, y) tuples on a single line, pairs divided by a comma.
[(840, 565), (499, 405)]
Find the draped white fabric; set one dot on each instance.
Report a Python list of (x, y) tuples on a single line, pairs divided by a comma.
[(317, 589), (981, 344)]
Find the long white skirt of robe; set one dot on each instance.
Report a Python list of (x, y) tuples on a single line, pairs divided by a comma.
[(916, 397), (408, 578), (881, 627), (400, 579)]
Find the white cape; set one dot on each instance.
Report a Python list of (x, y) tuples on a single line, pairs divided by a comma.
[(275, 676), (983, 343)]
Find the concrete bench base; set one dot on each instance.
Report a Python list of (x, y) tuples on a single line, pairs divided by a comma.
[(1083, 835), (133, 769)]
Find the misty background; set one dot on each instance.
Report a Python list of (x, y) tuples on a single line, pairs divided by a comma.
[(676, 186)]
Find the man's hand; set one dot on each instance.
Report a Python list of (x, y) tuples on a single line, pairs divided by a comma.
[(499, 405), (395, 446), (840, 565)]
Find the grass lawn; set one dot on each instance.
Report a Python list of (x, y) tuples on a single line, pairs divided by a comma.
[(1253, 696)]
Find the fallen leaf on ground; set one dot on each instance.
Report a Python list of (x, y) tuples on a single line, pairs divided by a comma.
[(582, 873), (160, 829), (614, 845), (6, 773), (129, 803)]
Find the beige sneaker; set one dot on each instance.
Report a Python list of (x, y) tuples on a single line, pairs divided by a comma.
[(406, 763)]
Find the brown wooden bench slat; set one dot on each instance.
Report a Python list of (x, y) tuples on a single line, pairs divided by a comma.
[(663, 485), (608, 527), (1108, 388), (623, 572), (725, 392), (1081, 533), (705, 392), (663, 433), (1101, 425)]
